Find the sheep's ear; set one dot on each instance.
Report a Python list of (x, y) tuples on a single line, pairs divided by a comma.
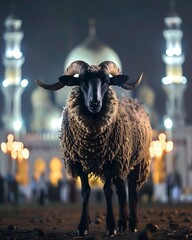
[(69, 80), (122, 81), (118, 80)]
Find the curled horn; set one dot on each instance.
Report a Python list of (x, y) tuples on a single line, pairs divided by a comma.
[(53, 87), (120, 80), (75, 67), (131, 86), (110, 68), (72, 69)]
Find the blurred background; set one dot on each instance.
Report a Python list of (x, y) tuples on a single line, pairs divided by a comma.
[(39, 39)]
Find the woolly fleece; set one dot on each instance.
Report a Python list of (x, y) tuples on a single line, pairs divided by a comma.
[(119, 135)]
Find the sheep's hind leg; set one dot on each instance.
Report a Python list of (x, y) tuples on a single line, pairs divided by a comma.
[(133, 218), (110, 218), (121, 193), (133, 199), (83, 227)]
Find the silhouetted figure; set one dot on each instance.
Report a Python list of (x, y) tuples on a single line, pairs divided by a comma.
[(64, 188), (2, 189), (15, 191), (41, 190), (174, 184), (147, 189), (9, 194), (33, 186)]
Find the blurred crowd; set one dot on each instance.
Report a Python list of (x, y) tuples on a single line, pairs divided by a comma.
[(43, 192), (38, 191)]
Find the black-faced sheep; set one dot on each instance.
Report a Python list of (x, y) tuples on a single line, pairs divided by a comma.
[(104, 136)]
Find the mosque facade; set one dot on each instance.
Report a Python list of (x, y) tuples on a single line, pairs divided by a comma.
[(43, 139)]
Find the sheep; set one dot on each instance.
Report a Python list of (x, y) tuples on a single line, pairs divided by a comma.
[(107, 137)]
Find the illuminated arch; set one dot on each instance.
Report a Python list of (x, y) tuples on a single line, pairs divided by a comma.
[(39, 167), (56, 167)]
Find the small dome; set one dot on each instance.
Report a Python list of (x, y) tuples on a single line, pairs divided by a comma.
[(146, 95), (42, 106), (39, 96), (92, 50)]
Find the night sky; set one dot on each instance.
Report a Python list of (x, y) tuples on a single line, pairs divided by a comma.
[(133, 28)]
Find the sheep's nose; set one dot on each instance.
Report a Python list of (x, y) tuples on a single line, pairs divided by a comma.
[(94, 102), (94, 105)]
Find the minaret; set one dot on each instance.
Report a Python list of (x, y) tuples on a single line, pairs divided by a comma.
[(13, 85), (174, 83)]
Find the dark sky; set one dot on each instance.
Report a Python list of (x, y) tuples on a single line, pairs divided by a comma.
[(132, 28)]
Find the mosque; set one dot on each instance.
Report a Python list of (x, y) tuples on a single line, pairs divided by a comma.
[(42, 141)]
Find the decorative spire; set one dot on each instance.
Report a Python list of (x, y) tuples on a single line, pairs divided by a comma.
[(173, 21), (172, 12), (13, 85), (13, 7), (12, 23), (174, 83), (92, 27), (12, 15)]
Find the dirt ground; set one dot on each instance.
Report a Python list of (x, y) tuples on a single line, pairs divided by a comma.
[(59, 221)]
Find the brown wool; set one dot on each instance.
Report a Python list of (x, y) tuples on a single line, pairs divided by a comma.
[(120, 134)]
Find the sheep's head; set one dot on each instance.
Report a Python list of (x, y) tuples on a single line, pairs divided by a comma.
[(93, 81)]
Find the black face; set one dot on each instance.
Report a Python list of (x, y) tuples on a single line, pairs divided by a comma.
[(94, 85)]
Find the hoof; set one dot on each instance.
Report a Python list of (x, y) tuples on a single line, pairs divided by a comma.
[(111, 232), (122, 226), (82, 232), (133, 225), (133, 229)]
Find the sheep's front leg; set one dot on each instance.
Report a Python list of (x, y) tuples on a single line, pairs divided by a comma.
[(110, 218), (133, 217), (122, 199), (83, 227)]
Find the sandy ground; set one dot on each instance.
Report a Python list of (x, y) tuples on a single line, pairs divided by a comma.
[(60, 222)]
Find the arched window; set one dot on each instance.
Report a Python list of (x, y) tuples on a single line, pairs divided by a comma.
[(39, 167), (55, 170)]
